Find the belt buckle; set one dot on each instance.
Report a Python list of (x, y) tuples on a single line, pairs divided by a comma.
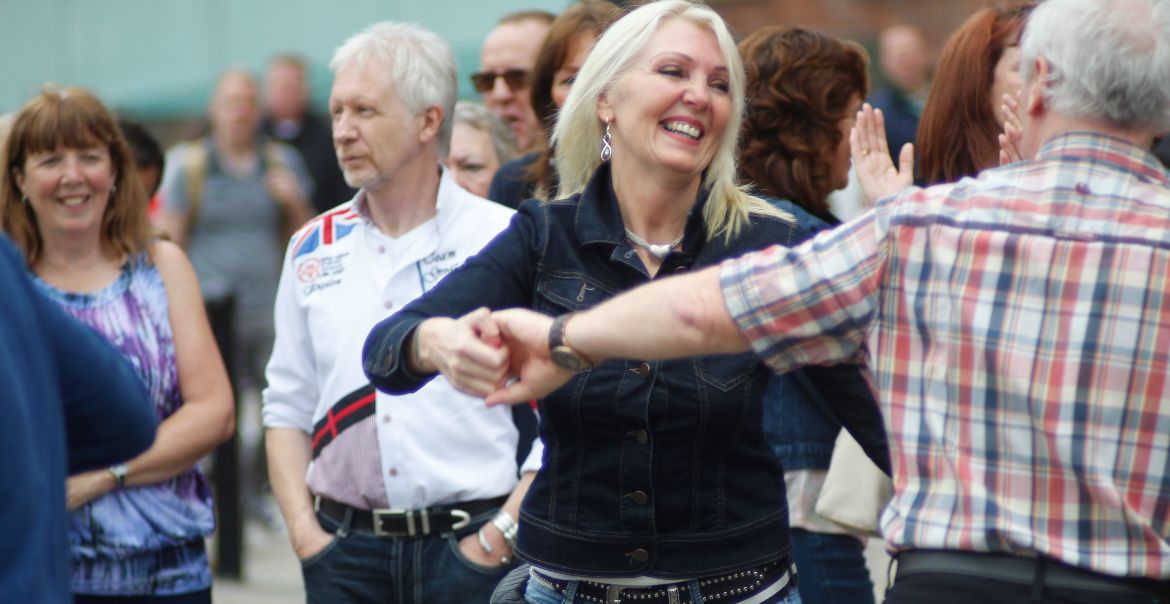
[(464, 519), (380, 532), (424, 521), (613, 594)]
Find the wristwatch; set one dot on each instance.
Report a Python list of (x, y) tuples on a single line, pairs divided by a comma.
[(561, 353), (119, 471)]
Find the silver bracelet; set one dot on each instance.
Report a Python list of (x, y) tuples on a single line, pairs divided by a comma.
[(508, 527), (504, 560), (483, 542)]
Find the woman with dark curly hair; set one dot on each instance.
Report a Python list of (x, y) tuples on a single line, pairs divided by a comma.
[(804, 90)]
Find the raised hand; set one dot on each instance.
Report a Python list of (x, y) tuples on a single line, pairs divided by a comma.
[(468, 351), (1013, 132), (525, 334), (871, 157)]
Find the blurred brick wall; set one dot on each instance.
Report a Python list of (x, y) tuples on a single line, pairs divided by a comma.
[(859, 20)]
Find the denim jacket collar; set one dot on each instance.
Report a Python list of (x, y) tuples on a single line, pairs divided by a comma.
[(599, 220)]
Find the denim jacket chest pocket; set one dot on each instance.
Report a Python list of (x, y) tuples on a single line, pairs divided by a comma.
[(558, 292), (726, 372)]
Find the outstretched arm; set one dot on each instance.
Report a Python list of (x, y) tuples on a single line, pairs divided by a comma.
[(670, 318)]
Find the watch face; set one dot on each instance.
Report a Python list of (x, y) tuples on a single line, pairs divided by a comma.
[(565, 358)]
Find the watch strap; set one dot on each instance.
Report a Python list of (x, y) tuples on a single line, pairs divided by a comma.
[(119, 471), (556, 340)]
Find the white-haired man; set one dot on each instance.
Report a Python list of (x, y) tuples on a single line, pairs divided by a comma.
[(387, 498), (1018, 325)]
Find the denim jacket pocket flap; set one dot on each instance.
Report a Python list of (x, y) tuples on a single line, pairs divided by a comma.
[(726, 371), (565, 292)]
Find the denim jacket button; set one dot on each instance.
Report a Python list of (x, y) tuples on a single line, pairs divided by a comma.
[(639, 497), (641, 436), (642, 370), (639, 555)]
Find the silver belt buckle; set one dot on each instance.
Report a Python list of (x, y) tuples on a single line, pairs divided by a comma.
[(409, 514), (464, 519), (411, 529), (613, 593)]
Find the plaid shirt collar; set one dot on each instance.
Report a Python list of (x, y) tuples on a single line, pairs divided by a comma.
[(1097, 146)]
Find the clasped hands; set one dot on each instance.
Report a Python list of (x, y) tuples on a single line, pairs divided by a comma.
[(501, 356)]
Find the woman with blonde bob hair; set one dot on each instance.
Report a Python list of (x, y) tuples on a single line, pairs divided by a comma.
[(72, 203), (657, 482)]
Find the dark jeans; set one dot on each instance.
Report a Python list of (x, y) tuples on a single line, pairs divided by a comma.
[(966, 589), (202, 596), (832, 568), (361, 568)]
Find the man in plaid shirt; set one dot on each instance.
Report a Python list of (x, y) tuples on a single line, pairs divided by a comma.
[(1018, 326)]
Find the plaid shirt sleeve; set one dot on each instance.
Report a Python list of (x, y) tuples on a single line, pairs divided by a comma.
[(813, 303)]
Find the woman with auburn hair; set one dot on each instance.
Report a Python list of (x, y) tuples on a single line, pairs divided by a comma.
[(570, 38), (72, 202), (963, 117), (971, 106), (804, 90)]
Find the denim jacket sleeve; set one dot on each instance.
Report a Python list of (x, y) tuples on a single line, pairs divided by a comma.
[(499, 276)]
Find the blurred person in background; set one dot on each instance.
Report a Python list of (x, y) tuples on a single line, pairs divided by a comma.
[(72, 403), (505, 72), (388, 498), (569, 41), (77, 210), (231, 200), (904, 56), (289, 117), (149, 161), (480, 142), (804, 90)]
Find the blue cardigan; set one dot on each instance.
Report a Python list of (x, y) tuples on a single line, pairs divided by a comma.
[(70, 403)]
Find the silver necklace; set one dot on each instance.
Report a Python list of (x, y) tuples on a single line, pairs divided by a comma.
[(658, 251)]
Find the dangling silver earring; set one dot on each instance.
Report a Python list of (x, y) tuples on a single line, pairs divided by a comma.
[(606, 150)]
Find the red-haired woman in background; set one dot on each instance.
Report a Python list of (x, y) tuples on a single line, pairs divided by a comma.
[(964, 118), (958, 134)]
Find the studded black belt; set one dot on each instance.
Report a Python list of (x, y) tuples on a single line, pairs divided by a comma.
[(727, 589)]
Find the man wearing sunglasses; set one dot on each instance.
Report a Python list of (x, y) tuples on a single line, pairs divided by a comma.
[(508, 56)]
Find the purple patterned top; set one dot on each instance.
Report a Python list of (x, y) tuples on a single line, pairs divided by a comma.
[(145, 540)]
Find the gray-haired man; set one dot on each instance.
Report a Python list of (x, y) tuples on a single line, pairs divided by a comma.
[(387, 498)]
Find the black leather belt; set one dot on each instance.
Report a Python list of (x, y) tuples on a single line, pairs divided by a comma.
[(722, 588), (1038, 572), (410, 523)]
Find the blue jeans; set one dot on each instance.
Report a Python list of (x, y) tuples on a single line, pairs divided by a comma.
[(359, 568), (537, 593), (832, 568)]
